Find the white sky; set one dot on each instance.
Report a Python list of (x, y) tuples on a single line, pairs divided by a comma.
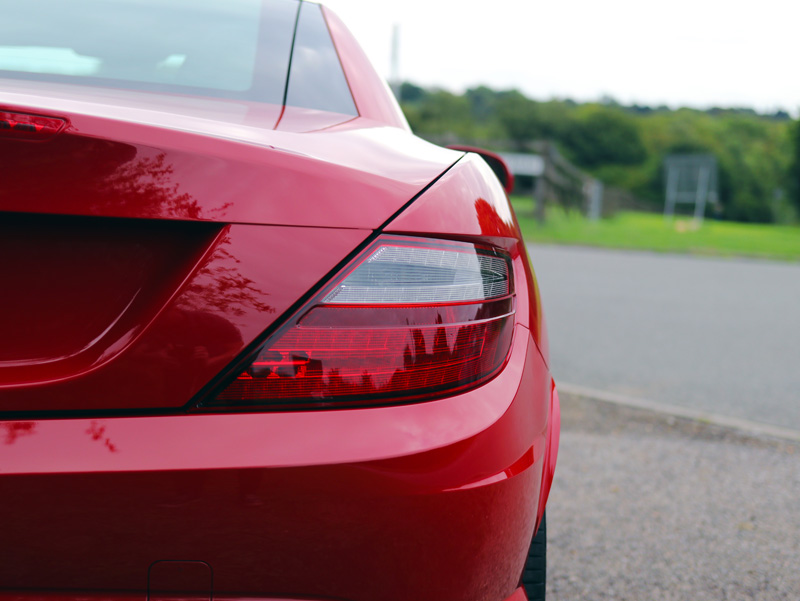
[(697, 53)]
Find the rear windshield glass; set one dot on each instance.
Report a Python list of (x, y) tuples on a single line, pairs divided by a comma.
[(317, 80), (221, 48)]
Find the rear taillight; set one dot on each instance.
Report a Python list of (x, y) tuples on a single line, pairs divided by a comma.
[(29, 127), (408, 319)]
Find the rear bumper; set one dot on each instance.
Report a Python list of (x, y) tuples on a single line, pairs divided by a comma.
[(436, 500)]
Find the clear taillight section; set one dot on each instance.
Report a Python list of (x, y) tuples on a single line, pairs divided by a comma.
[(410, 318)]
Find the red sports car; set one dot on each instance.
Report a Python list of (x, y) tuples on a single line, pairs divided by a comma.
[(257, 340)]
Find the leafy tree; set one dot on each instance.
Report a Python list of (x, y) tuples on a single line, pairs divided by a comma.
[(603, 136), (520, 117), (482, 102), (411, 93), (440, 112), (758, 155), (794, 169)]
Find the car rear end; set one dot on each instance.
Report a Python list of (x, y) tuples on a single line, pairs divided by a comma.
[(254, 349)]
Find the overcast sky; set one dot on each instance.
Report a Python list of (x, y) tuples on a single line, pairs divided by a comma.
[(696, 53)]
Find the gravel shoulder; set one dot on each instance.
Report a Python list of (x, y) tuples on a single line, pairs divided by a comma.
[(646, 506)]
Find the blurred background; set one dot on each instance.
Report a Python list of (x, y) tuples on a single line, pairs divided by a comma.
[(616, 86), (656, 149)]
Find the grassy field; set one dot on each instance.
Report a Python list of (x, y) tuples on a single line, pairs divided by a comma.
[(645, 231)]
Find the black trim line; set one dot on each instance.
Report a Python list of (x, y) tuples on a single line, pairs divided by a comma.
[(291, 55)]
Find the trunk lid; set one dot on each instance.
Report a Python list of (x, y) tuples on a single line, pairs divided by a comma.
[(130, 154), (148, 244)]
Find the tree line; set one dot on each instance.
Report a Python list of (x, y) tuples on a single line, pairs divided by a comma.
[(624, 146)]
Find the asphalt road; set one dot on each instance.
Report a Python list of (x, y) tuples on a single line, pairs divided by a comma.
[(719, 335), (647, 507)]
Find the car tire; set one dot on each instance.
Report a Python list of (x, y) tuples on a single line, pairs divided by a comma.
[(534, 575)]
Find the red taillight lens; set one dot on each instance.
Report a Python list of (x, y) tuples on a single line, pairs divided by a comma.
[(409, 319), (29, 127)]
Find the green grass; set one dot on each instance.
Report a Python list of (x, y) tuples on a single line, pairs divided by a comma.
[(647, 231)]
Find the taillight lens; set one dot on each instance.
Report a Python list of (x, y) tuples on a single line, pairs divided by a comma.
[(410, 318), (29, 127)]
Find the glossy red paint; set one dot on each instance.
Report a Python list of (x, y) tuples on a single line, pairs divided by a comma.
[(300, 120), (345, 492), (495, 161), (169, 236), (84, 286), (551, 453), (179, 580), (372, 96), (518, 595), (191, 326), (131, 160)]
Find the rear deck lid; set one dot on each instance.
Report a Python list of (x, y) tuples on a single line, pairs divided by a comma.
[(106, 315)]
